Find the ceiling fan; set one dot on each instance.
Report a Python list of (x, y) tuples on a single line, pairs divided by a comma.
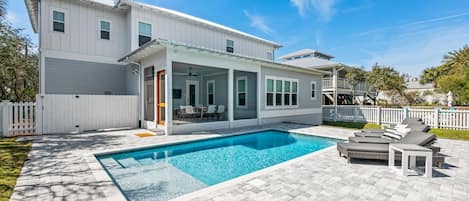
[(189, 73)]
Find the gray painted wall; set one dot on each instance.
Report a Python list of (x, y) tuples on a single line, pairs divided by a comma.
[(80, 77), (304, 87), (221, 89), (251, 111), (179, 82)]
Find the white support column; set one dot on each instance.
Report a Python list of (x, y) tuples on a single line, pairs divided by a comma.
[(335, 80), (260, 94), (141, 95), (5, 118), (230, 97), (168, 125)]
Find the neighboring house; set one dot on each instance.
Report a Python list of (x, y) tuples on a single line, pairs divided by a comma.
[(335, 88), (425, 92), (190, 74)]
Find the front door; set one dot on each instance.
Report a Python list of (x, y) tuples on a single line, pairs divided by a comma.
[(192, 92), (161, 96)]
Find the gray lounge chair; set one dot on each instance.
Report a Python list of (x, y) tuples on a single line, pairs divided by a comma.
[(379, 134), (381, 151), (406, 121)]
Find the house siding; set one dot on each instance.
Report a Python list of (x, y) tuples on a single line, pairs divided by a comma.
[(80, 77)]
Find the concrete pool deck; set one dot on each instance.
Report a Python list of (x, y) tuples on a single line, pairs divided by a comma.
[(59, 168)]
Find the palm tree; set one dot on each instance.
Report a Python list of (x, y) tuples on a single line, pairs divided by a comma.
[(3, 8)]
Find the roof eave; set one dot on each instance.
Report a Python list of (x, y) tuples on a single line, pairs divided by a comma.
[(262, 61), (33, 15)]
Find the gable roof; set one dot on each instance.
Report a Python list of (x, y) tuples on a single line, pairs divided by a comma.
[(33, 15)]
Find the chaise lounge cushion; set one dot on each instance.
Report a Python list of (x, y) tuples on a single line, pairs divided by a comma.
[(419, 138), (363, 147), (370, 140)]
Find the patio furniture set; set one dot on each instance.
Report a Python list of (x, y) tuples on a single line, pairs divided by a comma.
[(406, 141), (201, 111)]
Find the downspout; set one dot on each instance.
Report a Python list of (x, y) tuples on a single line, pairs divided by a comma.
[(139, 90)]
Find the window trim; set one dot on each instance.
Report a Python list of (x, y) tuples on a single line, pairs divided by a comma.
[(208, 94), (65, 22), (270, 55), (245, 78), (100, 29), (283, 79), (315, 90)]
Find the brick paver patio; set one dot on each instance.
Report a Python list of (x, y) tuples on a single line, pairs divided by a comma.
[(58, 169)]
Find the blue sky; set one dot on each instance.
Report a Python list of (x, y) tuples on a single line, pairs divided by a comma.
[(408, 35)]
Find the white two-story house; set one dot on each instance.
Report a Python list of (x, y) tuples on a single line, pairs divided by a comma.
[(189, 73)]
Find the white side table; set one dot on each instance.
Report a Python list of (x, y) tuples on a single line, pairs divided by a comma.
[(412, 151)]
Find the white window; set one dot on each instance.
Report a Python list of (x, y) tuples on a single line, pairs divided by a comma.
[(241, 92), (105, 30), (58, 21), (229, 46), (281, 92), (144, 33), (313, 90), (211, 92), (269, 56)]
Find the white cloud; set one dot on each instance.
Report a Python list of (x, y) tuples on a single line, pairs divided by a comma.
[(258, 22), (11, 17), (323, 8)]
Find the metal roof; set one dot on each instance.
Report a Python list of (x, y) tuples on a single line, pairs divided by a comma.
[(157, 44), (33, 15), (303, 52)]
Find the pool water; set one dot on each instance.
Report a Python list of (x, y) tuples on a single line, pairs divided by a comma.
[(165, 172)]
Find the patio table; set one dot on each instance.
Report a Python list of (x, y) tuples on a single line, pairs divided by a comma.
[(201, 108)]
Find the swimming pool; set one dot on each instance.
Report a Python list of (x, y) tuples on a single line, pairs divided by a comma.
[(166, 172)]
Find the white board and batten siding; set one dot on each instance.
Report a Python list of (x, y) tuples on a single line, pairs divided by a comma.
[(436, 118), (80, 113)]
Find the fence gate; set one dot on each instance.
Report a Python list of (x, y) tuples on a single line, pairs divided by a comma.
[(18, 118), (78, 113)]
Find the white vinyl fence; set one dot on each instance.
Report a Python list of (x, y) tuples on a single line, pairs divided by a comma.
[(436, 118), (79, 113), (18, 118)]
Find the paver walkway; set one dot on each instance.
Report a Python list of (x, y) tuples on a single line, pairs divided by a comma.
[(58, 170)]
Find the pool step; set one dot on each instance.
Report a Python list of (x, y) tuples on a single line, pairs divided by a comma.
[(110, 163), (129, 162)]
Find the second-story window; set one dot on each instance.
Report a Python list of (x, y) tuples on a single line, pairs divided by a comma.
[(105, 30), (229, 46), (144, 33), (58, 21), (269, 56)]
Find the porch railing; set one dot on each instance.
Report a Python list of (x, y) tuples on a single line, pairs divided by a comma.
[(328, 83)]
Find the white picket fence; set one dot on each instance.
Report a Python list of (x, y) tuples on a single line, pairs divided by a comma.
[(18, 118), (436, 118)]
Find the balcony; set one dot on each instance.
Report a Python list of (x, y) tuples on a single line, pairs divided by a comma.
[(328, 83)]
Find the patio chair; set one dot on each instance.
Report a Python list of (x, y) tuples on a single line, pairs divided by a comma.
[(381, 151), (404, 123), (211, 111), (387, 137), (220, 111), (188, 111)]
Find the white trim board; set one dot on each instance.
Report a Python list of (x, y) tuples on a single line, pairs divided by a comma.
[(289, 112)]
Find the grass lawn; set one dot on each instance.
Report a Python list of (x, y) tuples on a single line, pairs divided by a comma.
[(355, 125), (451, 134), (12, 156)]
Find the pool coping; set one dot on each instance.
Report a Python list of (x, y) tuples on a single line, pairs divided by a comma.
[(114, 193)]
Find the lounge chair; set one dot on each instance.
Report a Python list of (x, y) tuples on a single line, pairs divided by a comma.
[(406, 122), (378, 134), (381, 151), (188, 111)]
